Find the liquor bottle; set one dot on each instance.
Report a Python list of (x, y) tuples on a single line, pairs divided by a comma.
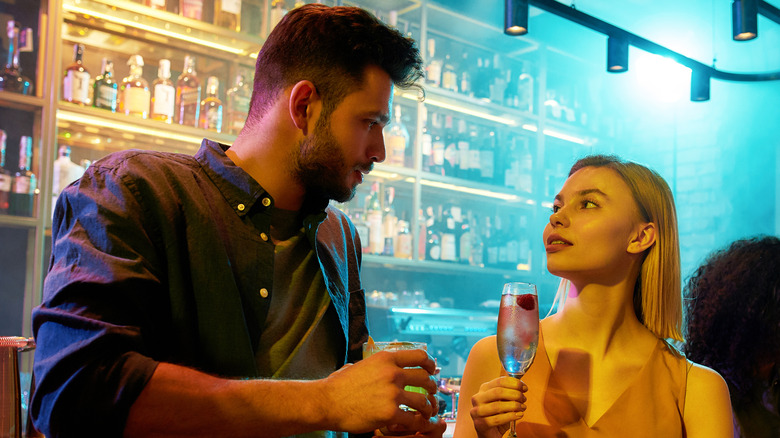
[(434, 68), (449, 74), (75, 85), (5, 177), (482, 79), (451, 157), (188, 95), (403, 244), (511, 97), (525, 90), (437, 145), (134, 92), (376, 238), (524, 243), (498, 83), (238, 99), (464, 147), (449, 246), (477, 255), (25, 182), (211, 107), (426, 142), (191, 9), (512, 244), (465, 240), (433, 241), (11, 75), (396, 140), (278, 11), (65, 172), (475, 154), (465, 76), (156, 4), (389, 223), (487, 159), (361, 227), (163, 93), (227, 13), (500, 241), (105, 93), (422, 234)]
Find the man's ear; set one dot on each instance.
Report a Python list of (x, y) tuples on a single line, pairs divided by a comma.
[(643, 238), (302, 96)]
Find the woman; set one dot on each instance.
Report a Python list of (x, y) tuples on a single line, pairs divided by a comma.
[(602, 367), (733, 309)]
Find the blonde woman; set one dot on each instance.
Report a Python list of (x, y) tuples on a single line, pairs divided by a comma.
[(603, 366)]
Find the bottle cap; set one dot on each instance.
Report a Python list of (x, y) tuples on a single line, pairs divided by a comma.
[(136, 60), (164, 71)]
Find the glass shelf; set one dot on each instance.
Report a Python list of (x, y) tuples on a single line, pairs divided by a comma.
[(436, 267), (125, 18), (105, 132), (20, 101)]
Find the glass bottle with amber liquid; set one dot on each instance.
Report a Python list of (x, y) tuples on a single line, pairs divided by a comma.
[(106, 88), (156, 4), (211, 107), (75, 84), (5, 177), (135, 90), (25, 182), (188, 95), (163, 93), (238, 100), (227, 13)]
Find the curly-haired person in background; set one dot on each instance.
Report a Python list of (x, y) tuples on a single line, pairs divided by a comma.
[(733, 310)]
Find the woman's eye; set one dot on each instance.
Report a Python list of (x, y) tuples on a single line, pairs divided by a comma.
[(589, 204), (555, 208)]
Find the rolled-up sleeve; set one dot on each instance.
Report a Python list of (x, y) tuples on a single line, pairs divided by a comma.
[(98, 299)]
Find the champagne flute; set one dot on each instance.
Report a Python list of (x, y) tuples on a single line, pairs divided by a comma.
[(518, 330)]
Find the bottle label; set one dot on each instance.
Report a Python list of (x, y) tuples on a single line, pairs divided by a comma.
[(22, 185), (396, 150), (231, 6), (164, 96), (189, 106), (192, 9), (463, 151), (75, 87), (448, 247), (213, 118), (157, 3), (486, 160), (5, 182), (136, 101), (106, 97), (438, 153)]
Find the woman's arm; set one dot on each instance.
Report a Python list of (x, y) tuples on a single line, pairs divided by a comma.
[(707, 405), (488, 401)]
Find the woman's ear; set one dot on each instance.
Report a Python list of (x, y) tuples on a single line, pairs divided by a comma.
[(643, 238), (302, 96)]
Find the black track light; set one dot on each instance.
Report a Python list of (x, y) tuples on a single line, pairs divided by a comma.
[(744, 19), (700, 86), (617, 55), (516, 17)]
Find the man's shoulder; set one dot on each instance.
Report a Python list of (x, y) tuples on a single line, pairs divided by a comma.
[(143, 162)]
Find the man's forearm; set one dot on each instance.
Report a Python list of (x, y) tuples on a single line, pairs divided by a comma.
[(181, 401)]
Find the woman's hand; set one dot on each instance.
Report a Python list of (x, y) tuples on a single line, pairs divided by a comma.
[(498, 402)]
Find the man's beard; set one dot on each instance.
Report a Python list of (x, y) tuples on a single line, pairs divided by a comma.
[(320, 166)]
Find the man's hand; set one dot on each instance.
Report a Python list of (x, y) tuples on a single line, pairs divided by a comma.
[(367, 395)]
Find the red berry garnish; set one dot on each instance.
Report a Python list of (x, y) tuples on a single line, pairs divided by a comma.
[(527, 301)]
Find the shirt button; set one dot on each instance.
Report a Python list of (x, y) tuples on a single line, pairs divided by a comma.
[(266, 202), (241, 207), (264, 236), (264, 293)]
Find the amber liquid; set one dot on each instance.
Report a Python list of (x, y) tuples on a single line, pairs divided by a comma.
[(227, 14)]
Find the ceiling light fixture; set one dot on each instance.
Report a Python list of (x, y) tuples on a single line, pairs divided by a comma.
[(617, 55), (744, 19), (516, 17)]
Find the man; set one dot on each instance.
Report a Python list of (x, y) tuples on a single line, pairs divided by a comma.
[(216, 295)]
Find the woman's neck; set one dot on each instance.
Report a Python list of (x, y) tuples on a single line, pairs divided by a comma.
[(597, 318)]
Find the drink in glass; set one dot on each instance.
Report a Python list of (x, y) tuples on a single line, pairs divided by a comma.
[(372, 347), (518, 329)]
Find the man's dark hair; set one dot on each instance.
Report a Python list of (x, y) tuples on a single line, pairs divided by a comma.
[(331, 47)]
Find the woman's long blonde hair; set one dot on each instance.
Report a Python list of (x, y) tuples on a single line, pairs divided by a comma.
[(657, 293)]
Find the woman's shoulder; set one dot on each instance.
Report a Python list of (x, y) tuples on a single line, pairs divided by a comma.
[(707, 403)]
